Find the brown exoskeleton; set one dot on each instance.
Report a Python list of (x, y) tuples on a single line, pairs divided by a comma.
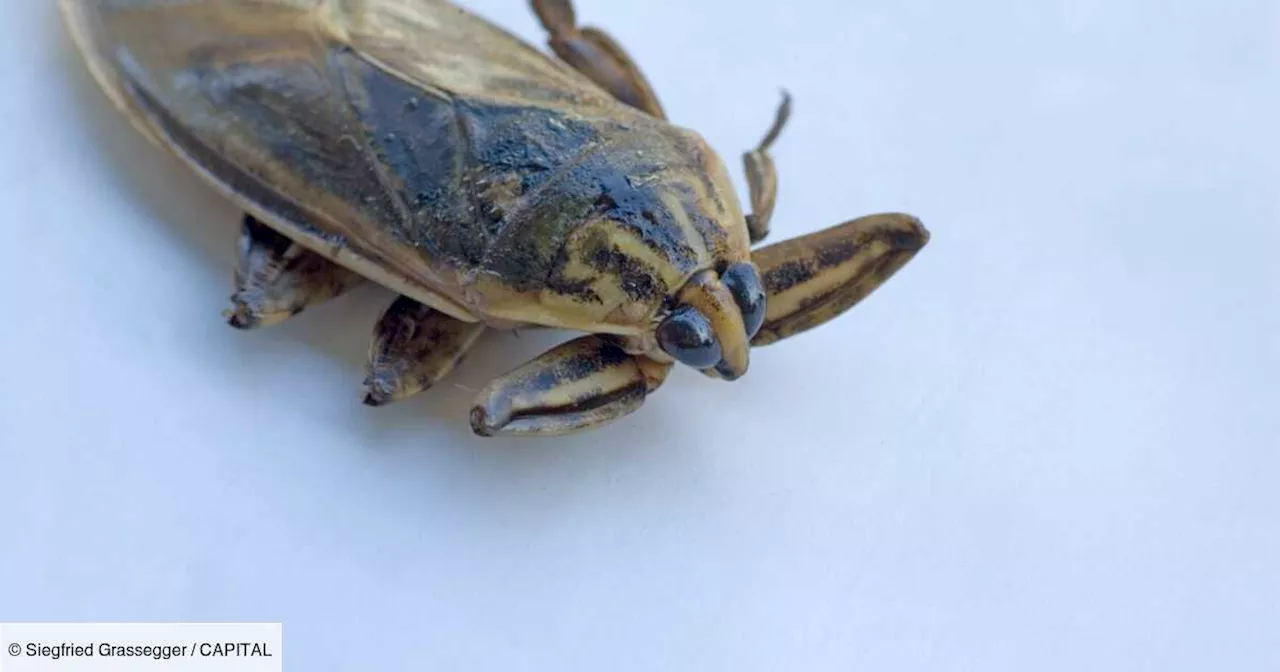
[(413, 144)]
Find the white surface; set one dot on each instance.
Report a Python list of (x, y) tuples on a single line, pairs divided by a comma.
[(1050, 443)]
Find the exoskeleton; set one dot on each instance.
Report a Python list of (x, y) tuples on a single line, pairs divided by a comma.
[(415, 145)]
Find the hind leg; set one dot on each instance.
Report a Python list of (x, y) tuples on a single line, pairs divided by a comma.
[(595, 54), (276, 278)]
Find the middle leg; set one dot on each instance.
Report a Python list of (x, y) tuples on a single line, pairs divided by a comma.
[(762, 175), (413, 348)]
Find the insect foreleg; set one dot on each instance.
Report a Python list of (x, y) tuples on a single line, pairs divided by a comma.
[(595, 54), (812, 279), (413, 348), (276, 278), (582, 384)]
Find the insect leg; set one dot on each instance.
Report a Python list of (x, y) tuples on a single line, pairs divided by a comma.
[(582, 384), (276, 278), (414, 347), (812, 279), (762, 175), (595, 54)]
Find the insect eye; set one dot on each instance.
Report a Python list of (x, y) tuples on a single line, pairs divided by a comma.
[(744, 284), (686, 334)]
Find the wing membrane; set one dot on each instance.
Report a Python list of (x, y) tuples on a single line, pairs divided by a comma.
[(259, 95)]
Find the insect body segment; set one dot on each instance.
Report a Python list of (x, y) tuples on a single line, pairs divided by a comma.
[(276, 278), (413, 144)]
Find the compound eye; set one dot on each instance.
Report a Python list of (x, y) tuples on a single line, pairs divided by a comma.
[(686, 334), (744, 284)]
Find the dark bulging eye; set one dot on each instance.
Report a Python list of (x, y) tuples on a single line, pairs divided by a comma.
[(686, 334), (744, 284)]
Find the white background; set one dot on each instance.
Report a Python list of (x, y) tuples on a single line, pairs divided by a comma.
[(1050, 443)]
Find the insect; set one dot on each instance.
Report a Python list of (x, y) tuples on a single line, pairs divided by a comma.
[(415, 145)]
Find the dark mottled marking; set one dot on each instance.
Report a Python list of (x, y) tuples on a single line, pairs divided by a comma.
[(578, 289), (601, 185), (580, 366), (423, 150), (836, 253), (642, 210), (576, 367), (877, 273), (530, 141), (639, 281), (462, 166), (521, 147), (788, 275), (532, 253)]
